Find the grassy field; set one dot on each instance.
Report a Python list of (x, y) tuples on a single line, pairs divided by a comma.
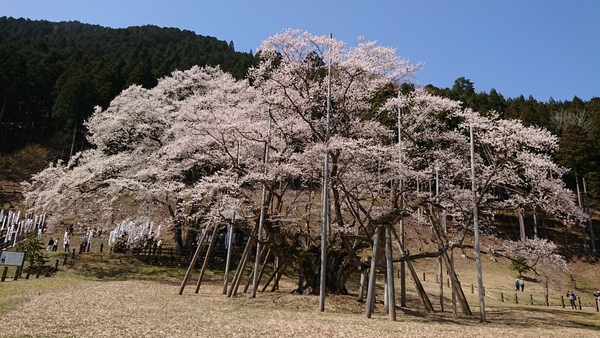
[(110, 295)]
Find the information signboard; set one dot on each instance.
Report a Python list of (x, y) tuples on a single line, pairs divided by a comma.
[(12, 258)]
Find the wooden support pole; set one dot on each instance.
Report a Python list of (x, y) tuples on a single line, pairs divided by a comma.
[(418, 286), (255, 277), (192, 263), (280, 268), (386, 305), (562, 301), (371, 290), (502, 296), (262, 269), (457, 288), (4, 272), (235, 283), (441, 284), (17, 273), (452, 273), (248, 281), (28, 272), (363, 284), (231, 232), (531, 298), (516, 298), (391, 294), (207, 257), (274, 275)]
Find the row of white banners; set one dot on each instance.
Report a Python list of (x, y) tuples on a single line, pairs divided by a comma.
[(15, 226)]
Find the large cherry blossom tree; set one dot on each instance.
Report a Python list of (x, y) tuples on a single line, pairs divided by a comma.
[(201, 144)]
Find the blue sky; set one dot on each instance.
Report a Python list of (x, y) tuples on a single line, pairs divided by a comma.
[(541, 48)]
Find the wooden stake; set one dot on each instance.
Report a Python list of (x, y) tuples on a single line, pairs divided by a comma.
[(390, 274), (207, 257), (371, 291), (192, 263), (235, 283), (418, 286)]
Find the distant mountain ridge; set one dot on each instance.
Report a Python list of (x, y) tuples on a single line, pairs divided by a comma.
[(52, 74)]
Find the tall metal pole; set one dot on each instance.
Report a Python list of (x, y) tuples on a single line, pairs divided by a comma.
[(325, 206), (401, 188), (261, 220), (231, 233), (476, 230), (440, 259)]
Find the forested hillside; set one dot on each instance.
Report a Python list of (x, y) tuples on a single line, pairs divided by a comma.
[(52, 74)]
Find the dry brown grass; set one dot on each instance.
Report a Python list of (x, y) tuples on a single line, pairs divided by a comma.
[(139, 301)]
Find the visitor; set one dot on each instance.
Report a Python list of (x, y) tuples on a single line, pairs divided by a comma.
[(50, 244), (517, 285), (82, 246), (159, 246), (522, 282), (572, 298), (67, 243), (55, 245)]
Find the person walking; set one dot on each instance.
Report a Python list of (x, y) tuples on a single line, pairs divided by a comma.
[(522, 282), (572, 298), (517, 285), (67, 243), (50, 244), (55, 245)]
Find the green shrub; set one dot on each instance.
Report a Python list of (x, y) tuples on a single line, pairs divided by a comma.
[(33, 250), (519, 265)]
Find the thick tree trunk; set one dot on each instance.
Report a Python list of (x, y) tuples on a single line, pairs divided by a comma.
[(522, 235), (341, 263)]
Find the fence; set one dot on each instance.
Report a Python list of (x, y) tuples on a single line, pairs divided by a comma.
[(528, 298), (18, 272), (173, 257), (170, 256)]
